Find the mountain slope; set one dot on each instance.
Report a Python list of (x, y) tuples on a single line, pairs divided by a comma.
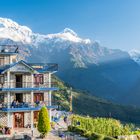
[(135, 55), (86, 104), (84, 64)]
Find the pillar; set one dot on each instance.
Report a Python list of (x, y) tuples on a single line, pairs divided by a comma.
[(8, 100), (50, 98), (32, 102)]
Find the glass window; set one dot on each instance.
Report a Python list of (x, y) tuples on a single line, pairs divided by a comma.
[(1, 98), (38, 78), (1, 79), (1, 61)]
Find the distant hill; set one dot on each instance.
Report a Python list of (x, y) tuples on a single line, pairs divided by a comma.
[(86, 104)]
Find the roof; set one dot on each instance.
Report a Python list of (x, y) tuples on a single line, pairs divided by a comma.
[(44, 67), (38, 67), (8, 53)]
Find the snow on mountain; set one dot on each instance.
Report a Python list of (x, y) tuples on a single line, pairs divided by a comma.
[(13, 31), (67, 44), (68, 35), (135, 55)]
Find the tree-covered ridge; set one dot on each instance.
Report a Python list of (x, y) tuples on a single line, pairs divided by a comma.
[(86, 104)]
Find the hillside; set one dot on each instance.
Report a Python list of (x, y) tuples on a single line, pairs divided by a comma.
[(86, 104)]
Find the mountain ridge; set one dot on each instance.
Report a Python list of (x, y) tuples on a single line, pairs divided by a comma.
[(84, 64)]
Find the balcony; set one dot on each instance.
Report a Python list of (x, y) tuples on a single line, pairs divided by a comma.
[(24, 106), (28, 86)]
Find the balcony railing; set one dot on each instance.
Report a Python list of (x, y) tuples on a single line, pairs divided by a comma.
[(27, 85), (26, 106)]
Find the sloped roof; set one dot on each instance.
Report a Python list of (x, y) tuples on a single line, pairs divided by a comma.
[(7, 67), (44, 67), (37, 67)]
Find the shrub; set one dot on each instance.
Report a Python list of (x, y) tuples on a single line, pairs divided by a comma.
[(105, 126), (43, 122), (87, 134), (137, 132), (95, 136), (109, 138)]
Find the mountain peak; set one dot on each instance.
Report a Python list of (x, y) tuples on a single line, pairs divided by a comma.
[(13, 31), (8, 23), (135, 55), (68, 30)]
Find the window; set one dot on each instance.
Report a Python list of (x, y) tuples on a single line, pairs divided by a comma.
[(1, 98), (1, 61), (38, 78), (1, 79)]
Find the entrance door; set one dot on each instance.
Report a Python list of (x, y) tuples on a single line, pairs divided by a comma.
[(18, 81), (38, 97), (19, 97), (19, 120), (36, 113)]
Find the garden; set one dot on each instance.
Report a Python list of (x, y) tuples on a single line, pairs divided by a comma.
[(100, 128)]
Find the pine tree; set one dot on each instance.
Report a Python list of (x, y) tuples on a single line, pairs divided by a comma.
[(43, 122)]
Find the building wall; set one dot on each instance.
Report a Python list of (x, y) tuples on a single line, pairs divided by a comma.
[(27, 118), (3, 119), (27, 97), (46, 77), (9, 59), (6, 60)]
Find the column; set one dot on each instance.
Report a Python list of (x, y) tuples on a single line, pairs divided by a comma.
[(26, 82), (50, 98), (32, 85), (8, 100), (32, 102)]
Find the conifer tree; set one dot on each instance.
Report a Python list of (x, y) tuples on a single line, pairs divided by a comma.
[(43, 122)]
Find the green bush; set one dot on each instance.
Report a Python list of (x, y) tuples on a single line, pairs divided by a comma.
[(43, 122), (105, 126), (95, 136), (137, 132), (109, 138), (88, 134)]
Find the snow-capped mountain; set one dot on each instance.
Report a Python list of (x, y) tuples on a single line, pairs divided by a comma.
[(83, 63), (135, 55), (81, 51), (13, 31)]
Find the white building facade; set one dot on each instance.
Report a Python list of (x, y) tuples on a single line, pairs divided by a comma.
[(24, 89)]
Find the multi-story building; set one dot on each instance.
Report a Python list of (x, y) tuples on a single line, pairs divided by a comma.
[(24, 89)]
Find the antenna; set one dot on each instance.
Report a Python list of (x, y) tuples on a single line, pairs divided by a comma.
[(16, 51)]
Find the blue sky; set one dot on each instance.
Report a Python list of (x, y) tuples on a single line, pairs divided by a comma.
[(115, 23)]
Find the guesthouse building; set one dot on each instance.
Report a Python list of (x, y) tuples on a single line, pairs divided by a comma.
[(24, 89)]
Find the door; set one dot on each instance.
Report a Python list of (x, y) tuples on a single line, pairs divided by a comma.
[(36, 113), (19, 97), (19, 119), (38, 97), (18, 81)]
